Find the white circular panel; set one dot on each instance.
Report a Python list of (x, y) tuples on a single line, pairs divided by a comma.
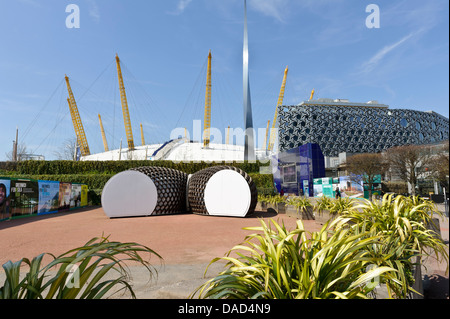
[(227, 194), (129, 193)]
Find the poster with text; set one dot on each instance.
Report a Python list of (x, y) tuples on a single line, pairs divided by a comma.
[(24, 197), (48, 197), (75, 196), (65, 192), (5, 185), (351, 186), (84, 195)]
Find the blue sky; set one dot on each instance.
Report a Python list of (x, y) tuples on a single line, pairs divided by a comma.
[(164, 45)]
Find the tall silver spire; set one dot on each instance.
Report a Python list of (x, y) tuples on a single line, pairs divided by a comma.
[(249, 147)]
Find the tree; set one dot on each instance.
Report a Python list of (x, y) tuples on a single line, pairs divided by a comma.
[(407, 162), (67, 150), (21, 152), (368, 166), (439, 165)]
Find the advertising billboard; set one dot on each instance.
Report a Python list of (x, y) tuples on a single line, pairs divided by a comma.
[(75, 196), (5, 185), (24, 197), (65, 192), (289, 174), (48, 197), (84, 195)]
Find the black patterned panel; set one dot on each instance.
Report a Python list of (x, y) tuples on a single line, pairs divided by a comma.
[(197, 184), (357, 129), (171, 187)]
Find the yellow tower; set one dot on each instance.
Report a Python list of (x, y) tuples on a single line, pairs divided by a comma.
[(142, 136), (77, 124), (207, 118), (279, 103), (312, 95), (126, 114), (105, 143)]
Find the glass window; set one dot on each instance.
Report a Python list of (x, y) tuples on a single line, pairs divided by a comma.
[(418, 125), (433, 125), (421, 137)]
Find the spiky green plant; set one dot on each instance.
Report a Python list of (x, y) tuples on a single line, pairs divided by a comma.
[(262, 198), (341, 204), (401, 224), (276, 199), (300, 203), (323, 203), (280, 264), (80, 273)]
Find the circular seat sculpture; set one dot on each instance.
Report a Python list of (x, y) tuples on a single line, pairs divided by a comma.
[(145, 191), (222, 191)]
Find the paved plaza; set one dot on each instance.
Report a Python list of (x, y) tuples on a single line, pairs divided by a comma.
[(186, 242)]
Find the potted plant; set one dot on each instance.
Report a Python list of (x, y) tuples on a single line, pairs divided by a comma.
[(340, 205), (262, 202), (276, 202), (400, 223), (304, 208), (323, 205), (291, 209)]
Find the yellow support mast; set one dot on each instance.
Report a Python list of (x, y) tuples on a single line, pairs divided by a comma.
[(126, 114), (74, 121), (279, 103), (77, 124), (207, 119), (312, 95), (105, 143), (142, 136)]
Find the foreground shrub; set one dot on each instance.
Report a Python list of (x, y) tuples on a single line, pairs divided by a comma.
[(400, 223), (81, 272), (281, 264)]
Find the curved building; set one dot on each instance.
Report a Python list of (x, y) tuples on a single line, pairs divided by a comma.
[(341, 126)]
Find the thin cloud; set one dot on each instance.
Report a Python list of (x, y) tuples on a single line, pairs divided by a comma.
[(375, 60), (94, 11), (181, 6), (272, 8)]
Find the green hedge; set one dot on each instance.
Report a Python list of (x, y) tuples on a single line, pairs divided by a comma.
[(108, 167), (98, 181), (95, 174)]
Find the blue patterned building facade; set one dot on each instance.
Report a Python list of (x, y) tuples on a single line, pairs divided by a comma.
[(340, 126), (295, 169)]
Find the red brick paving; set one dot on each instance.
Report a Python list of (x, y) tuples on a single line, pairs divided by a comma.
[(179, 239)]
